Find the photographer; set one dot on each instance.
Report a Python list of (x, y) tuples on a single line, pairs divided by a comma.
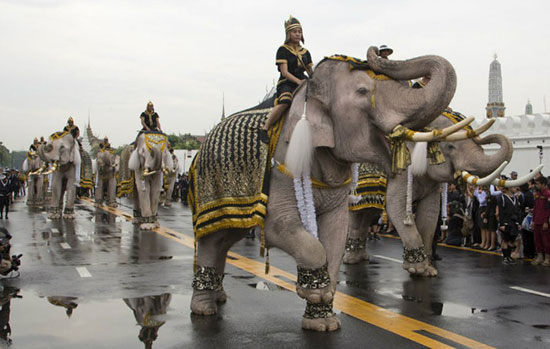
[(7, 263)]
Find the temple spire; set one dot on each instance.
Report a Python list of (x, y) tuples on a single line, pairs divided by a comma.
[(495, 105), (223, 106)]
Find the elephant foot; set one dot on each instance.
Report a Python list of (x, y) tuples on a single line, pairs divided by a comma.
[(168, 204), (204, 302), (54, 215), (68, 216), (207, 291), (136, 220), (148, 226), (319, 317), (354, 257), (314, 285), (113, 204), (415, 260)]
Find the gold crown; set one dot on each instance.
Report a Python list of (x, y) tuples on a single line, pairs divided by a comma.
[(292, 23), (70, 119)]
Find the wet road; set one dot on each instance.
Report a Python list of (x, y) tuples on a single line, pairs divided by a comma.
[(98, 282)]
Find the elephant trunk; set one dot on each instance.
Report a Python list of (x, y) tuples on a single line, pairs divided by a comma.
[(156, 156), (485, 164), (420, 106)]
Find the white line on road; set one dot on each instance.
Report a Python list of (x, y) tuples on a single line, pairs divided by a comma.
[(55, 230), (65, 245), (84, 273), (388, 258), (517, 288)]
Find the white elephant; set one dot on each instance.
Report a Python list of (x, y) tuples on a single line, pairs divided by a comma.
[(107, 163), (169, 180), (35, 180), (63, 153), (142, 175), (338, 117)]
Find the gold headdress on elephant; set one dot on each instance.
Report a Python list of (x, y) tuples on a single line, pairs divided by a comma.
[(70, 120), (290, 24)]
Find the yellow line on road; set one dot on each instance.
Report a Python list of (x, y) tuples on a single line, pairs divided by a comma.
[(401, 325)]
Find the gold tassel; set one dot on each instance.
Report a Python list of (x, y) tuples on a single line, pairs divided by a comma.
[(262, 242)]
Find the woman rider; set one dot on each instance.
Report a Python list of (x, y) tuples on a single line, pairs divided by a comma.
[(150, 119), (292, 61)]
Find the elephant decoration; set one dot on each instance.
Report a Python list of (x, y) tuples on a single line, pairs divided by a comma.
[(35, 180), (366, 205), (142, 166), (86, 174), (107, 163), (462, 153), (62, 152), (169, 180), (299, 197)]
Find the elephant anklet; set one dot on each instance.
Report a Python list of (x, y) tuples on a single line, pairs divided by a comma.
[(206, 279), (68, 210), (318, 311), (313, 278), (151, 219), (414, 255), (353, 245)]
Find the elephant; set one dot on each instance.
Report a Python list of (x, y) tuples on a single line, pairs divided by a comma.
[(169, 180), (35, 181), (107, 169), (142, 167), (61, 150), (150, 314), (340, 116), (460, 155)]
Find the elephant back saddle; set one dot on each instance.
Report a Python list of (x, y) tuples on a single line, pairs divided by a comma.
[(371, 187), (155, 139), (229, 176)]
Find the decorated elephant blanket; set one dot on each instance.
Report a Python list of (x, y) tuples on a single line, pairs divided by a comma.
[(371, 187), (229, 176), (86, 171)]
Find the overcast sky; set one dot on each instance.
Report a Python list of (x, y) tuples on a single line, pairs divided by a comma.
[(108, 58)]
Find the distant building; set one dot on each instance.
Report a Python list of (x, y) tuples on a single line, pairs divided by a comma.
[(528, 108), (495, 106)]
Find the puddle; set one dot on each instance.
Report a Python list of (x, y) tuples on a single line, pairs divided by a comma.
[(266, 286), (455, 310), (542, 327), (243, 276)]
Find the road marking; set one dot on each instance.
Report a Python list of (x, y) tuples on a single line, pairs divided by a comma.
[(83, 272), (394, 322), (65, 245), (388, 258), (526, 290), (55, 230)]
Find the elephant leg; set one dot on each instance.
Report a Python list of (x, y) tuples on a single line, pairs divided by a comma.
[(68, 213), (168, 200), (426, 221), (208, 280), (143, 189), (356, 249), (31, 201), (112, 193), (56, 197), (99, 192), (415, 260), (155, 189)]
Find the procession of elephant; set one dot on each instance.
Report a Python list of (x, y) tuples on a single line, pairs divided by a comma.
[(308, 190)]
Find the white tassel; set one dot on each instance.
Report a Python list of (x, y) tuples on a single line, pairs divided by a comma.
[(419, 159), (300, 148), (408, 209), (353, 197), (133, 163), (310, 206), (25, 166), (444, 189)]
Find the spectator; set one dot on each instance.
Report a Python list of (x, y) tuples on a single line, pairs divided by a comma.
[(527, 237), (509, 211), (541, 214)]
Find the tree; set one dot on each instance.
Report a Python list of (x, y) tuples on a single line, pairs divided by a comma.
[(5, 156), (185, 141)]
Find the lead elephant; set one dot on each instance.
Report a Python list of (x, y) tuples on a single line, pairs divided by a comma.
[(141, 170), (350, 109), (62, 151), (35, 182), (107, 163)]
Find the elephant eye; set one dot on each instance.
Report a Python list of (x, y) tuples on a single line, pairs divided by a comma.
[(451, 147), (362, 90)]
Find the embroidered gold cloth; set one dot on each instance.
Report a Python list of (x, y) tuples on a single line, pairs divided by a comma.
[(371, 187), (86, 171), (155, 139), (229, 177)]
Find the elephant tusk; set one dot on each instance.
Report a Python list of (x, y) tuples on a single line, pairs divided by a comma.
[(434, 135), (52, 169), (39, 171), (508, 183), (147, 173), (475, 180), (462, 135)]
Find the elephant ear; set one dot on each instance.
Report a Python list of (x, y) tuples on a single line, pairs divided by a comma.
[(311, 128)]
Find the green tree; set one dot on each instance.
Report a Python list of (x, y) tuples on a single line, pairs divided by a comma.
[(5, 156), (185, 141)]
